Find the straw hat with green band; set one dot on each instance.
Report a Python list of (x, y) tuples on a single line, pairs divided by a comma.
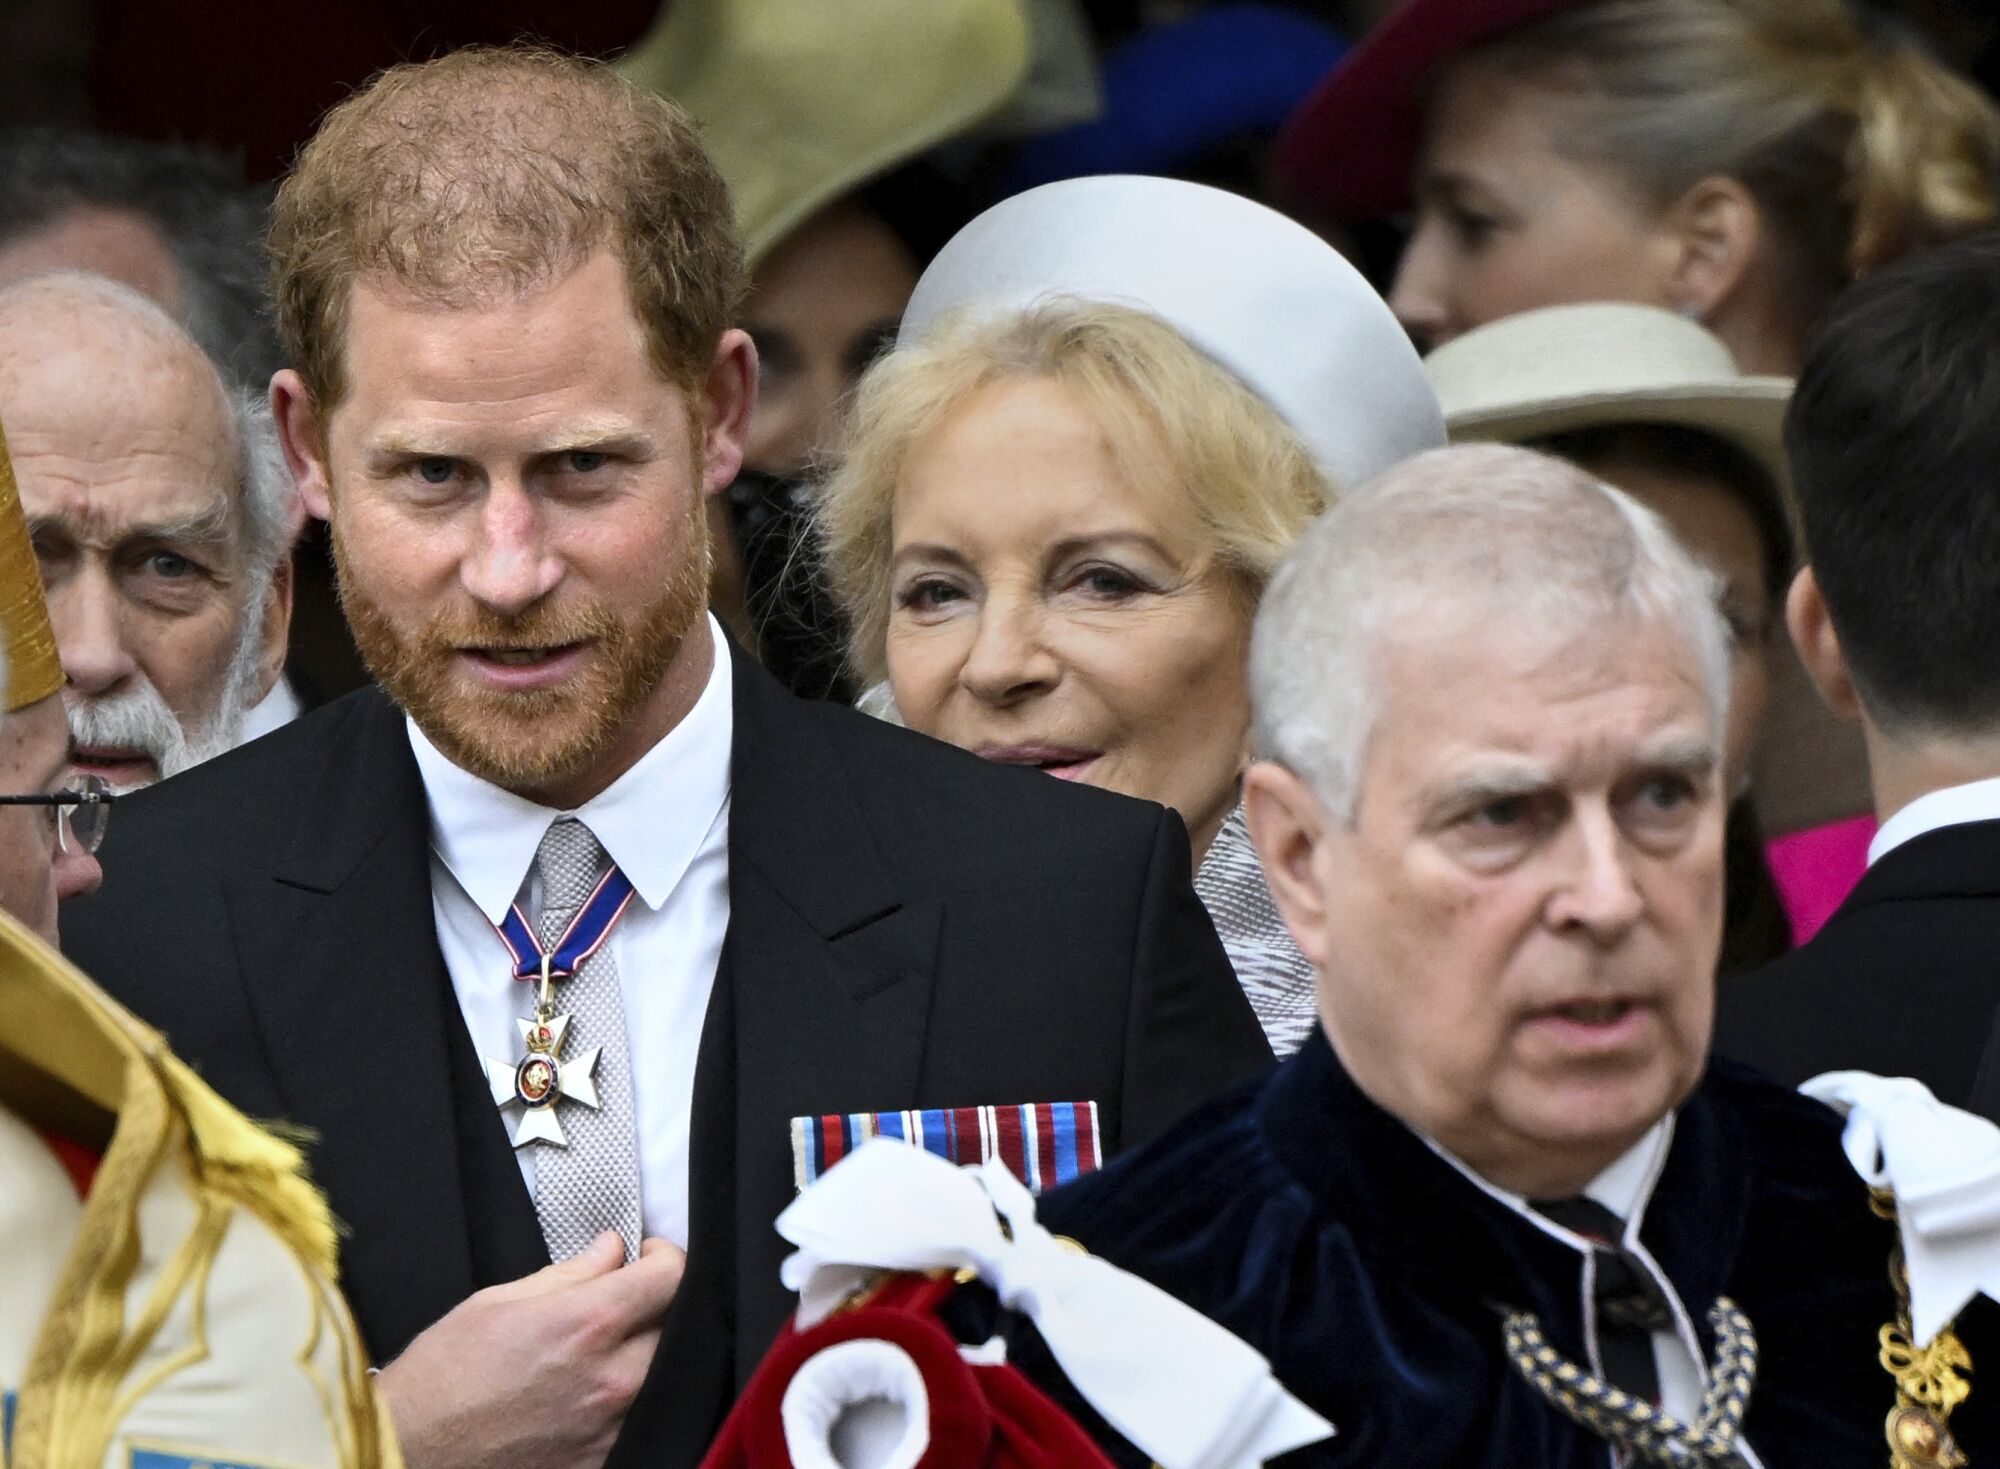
[(802, 101), (33, 669)]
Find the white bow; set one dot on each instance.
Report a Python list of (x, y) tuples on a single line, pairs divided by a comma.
[(1184, 1391), (1943, 1165)]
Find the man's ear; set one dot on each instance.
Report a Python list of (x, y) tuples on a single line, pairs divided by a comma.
[(302, 434), (1811, 627), (1287, 824), (1716, 229), (729, 395), (276, 629)]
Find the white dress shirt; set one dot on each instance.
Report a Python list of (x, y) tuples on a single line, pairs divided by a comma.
[(1625, 1188), (1977, 800), (274, 711), (665, 822)]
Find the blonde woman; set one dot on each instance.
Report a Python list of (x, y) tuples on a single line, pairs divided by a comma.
[(1114, 404), (1737, 161)]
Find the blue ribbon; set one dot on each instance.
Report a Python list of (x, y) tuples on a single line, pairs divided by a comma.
[(584, 936)]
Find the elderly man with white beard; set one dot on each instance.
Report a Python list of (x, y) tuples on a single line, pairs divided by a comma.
[(162, 514)]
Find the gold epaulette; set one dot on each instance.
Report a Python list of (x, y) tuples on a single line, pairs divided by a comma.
[(77, 1063), (1930, 1379)]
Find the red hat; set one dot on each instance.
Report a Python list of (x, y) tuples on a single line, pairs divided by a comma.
[(1352, 144), (930, 1407)]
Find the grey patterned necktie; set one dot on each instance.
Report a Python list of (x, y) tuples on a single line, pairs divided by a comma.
[(593, 1184)]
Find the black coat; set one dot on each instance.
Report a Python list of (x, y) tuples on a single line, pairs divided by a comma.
[(909, 927), (1904, 978)]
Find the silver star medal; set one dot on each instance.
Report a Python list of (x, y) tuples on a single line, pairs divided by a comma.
[(541, 1078)]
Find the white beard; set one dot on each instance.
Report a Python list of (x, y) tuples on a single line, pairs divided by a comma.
[(139, 719)]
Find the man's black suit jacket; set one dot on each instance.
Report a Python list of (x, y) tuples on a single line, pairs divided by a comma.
[(909, 927), (1904, 978)]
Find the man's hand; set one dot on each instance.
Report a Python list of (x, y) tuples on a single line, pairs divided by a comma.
[(537, 1373)]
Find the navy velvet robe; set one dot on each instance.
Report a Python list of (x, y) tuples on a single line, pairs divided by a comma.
[(1375, 1276)]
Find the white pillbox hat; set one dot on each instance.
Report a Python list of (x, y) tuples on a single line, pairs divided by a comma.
[(1260, 294)]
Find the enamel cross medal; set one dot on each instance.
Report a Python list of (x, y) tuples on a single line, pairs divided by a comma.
[(541, 1079)]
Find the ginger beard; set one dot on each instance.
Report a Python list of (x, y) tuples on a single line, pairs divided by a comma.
[(525, 740)]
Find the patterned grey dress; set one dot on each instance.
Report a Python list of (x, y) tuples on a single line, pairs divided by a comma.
[(1274, 974)]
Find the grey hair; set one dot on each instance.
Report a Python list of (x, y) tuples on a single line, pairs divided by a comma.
[(265, 491), (1483, 532)]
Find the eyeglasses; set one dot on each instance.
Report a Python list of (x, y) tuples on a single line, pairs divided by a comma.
[(78, 815)]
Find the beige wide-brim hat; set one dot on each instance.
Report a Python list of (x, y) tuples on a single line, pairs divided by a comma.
[(802, 101), (1585, 366)]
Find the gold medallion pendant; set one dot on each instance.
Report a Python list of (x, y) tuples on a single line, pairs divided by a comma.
[(541, 1079)]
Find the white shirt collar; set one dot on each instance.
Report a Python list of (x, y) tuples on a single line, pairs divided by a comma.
[(1625, 1188), (1977, 800), (652, 819)]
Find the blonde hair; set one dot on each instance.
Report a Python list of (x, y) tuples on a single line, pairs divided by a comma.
[(1250, 480), (1858, 149), (495, 169)]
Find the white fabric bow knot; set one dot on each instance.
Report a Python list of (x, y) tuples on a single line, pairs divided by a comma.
[(1184, 1391), (1943, 1165)]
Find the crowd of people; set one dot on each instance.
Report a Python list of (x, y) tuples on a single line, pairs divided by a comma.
[(1016, 811)]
